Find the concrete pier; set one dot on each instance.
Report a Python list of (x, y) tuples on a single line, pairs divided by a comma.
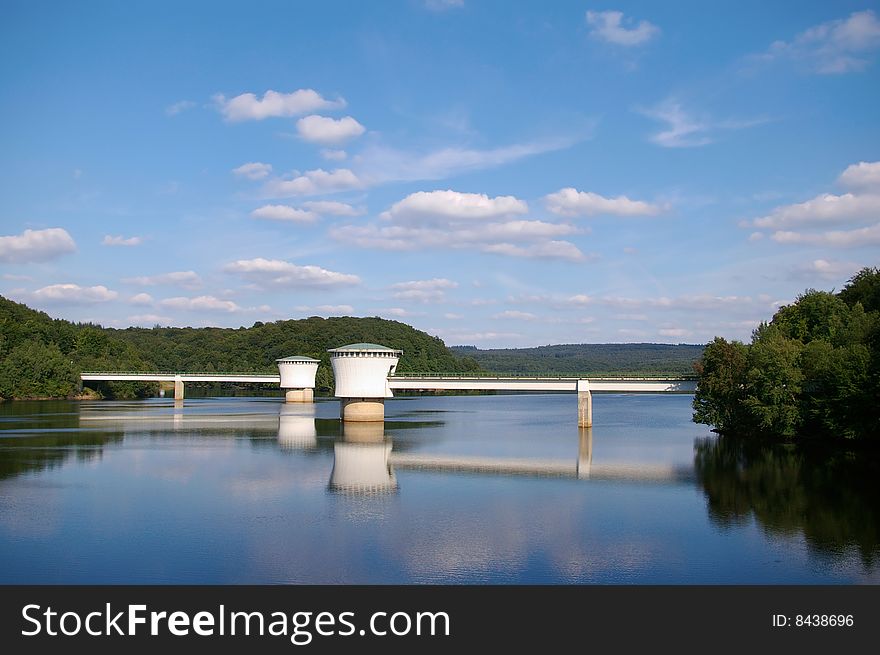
[(299, 396), (360, 410), (585, 404), (178, 388)]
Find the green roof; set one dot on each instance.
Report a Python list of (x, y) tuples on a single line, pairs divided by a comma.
[(372, 347), (298, 358)]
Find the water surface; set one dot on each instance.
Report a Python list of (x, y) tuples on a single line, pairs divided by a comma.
[(451, 489)]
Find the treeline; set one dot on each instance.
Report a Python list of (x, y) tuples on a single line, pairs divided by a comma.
[(589, 358), (812, 371), (42, 357)]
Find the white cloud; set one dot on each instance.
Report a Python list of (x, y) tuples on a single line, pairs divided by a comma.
[(827, 269), (36, 245), (547, 250), (571, 203), (866, 236), (453, 317), (328, 131), (454, 205), (863, 176), (332, 154), (141, 299), (327, 310), (674, 332), (825, 209), (612, 27), (185, 279), (400, 312), (756, 236), (333, 208), (579, 299), (685, 130), (434, 283), (516, 315), (279, 273), (284, 213), (313, 182), (253, 170), (73, 293), (149, 319), (200, 303), (386, 164), (837, 46), (109, 240), (273, 104), (699, 302), (178, 107)]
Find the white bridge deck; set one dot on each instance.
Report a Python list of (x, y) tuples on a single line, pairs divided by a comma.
[(434, 383)]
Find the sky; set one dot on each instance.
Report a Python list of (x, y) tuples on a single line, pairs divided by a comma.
[(495, 173)]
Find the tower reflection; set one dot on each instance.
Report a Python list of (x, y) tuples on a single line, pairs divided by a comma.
[(296, 426), (361, 460)]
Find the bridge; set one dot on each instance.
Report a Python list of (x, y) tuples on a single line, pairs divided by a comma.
[(584, 387), (180, 378)]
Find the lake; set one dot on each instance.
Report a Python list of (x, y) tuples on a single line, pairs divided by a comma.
[(463, 489)]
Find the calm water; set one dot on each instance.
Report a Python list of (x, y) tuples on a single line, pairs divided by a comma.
[(452, 489)]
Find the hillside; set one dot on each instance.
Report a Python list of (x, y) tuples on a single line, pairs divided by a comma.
[(43, 357), (588, 358)]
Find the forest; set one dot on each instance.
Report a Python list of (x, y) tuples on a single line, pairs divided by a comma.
[(812, 371), (42, 357), (589, 359)]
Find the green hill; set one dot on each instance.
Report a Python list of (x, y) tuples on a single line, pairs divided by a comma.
[(43, 357), (589, 358)]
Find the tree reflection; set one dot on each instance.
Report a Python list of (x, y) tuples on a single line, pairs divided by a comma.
[(24, 455), (830, 496)]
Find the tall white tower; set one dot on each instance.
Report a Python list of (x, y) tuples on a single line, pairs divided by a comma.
[(298, 378), (361, 371)]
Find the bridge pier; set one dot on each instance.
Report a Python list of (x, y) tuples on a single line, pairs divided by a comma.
[(178, 388), (585, 404), (299, 396)]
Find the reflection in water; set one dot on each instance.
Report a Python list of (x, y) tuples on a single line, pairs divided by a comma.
[(361, 460), (832, 497), (296, 427), (19, 455)]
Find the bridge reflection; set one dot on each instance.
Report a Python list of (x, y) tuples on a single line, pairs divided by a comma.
[(364, 458)]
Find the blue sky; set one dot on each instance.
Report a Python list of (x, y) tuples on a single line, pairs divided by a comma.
[(495, 173)]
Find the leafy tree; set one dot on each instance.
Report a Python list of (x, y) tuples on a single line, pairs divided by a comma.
[(721, 391)]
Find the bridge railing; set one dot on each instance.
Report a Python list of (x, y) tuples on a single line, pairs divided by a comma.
[(240, 373), (547, 376)]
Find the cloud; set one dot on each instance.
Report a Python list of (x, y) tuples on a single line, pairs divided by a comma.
[(333, 208), (453, 317), (247, 106), (866, 236), (185, 279), (331, 154), (516, 315), (313, 182), (73, 293), (149, 319), (200, 303), (386, 164), (547, 250), (862, 176), (400, 312), (674, 332), (826, 269), (433, 290), (834, 47), (253, 170), (141, 299), (825, 209), (328, 131), (284, 213), (178, 107), (612, 27), (453, 205), (571, 203), (684, 130), (109, 240), (36, 245), (327, 310), (698, 302), (278, 273)]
